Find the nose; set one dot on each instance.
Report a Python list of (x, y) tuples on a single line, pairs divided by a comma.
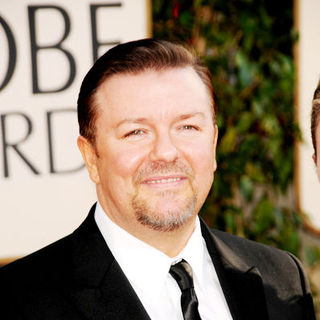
[(163, 148)]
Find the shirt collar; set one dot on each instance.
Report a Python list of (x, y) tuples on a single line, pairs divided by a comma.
[(194, 252), (145, 266)]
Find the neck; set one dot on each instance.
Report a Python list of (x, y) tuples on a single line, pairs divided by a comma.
[(170, 243)]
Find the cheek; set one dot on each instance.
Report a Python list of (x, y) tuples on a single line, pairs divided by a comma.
[(202, 159), (203, 164), (125, 161)]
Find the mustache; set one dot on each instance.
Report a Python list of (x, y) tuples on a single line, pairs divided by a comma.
[(162, 168)]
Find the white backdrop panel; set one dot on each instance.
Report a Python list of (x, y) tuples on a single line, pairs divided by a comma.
[(46, 47)]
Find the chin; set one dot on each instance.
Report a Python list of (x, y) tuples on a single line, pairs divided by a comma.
[(164, 217)]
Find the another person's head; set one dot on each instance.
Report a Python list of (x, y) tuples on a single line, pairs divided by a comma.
[(146, 112), (315, 128)]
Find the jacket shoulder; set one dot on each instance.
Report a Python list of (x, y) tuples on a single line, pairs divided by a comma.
[(249, 249), (273, 263)]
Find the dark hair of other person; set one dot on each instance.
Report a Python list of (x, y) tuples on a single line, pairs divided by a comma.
[(315, 117), (133, 58)]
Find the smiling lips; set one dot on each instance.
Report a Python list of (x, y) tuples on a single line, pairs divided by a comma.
[(163, 180)]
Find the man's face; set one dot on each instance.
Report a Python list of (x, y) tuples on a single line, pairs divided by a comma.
[(155, 148)]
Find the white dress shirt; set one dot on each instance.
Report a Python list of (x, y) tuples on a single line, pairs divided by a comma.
[(147, 270)]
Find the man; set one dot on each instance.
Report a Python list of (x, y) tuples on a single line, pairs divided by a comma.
[(148, 137)]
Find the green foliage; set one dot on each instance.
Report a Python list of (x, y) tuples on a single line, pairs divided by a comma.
[(312, 255), (247, 44)]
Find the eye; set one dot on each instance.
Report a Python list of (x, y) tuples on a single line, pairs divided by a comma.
[(136, 132), (189, 127)]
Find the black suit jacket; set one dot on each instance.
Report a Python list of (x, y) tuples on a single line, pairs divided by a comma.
[(77, 277)]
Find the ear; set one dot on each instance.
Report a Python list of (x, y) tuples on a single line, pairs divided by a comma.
[(90, 157), (314, 157), (215, 141)]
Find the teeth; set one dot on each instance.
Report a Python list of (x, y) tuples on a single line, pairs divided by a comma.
[(164, 180)]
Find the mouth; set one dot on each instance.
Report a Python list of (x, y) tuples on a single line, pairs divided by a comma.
[(163, 180)]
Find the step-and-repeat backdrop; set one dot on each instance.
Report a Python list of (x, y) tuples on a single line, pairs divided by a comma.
[(46, 47)]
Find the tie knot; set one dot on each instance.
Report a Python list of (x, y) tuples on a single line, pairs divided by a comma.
[(182, 273)]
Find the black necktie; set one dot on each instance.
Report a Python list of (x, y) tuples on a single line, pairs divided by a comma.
[(182, 273)]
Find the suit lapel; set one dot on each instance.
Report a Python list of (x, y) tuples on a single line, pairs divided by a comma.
[(114, 298), (100, 290), (241, 283)]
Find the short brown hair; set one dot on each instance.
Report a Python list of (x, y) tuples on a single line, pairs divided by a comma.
[(315, 116), (135, 57)]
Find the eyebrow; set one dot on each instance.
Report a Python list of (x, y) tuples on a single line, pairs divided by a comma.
[(130, 120), (191, 115), (143, 120)]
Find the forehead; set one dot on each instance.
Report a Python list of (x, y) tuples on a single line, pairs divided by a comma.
[(153, 94)]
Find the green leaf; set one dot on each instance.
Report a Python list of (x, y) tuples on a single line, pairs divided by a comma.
[(246, 69), (263, 216), (312, 255), (228, 141), (246, 187), (245, 122)]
